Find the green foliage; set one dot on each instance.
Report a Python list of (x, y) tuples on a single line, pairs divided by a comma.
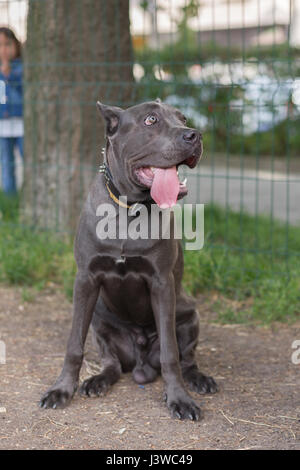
[(223, 104), (189, 52), (9, 207), (282, 139)]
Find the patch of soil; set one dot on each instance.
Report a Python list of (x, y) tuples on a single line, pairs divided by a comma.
[(257, 407)]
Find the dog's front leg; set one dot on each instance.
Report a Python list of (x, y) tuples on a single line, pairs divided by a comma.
[(163, 301), (86, 292)]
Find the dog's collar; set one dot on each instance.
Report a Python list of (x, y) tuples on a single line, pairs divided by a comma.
[(114, 193)]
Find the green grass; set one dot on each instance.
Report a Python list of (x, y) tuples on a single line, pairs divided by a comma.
[(252, 262), (251, 265), (32, 258)]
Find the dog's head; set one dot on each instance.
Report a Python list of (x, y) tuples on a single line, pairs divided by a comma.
[(145, 146)]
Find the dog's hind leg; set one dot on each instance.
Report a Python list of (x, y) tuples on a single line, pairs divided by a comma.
[(114, 351), (187, 330), (98, 385)]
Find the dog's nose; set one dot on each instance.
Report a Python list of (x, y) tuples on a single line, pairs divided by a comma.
[(190, 136)]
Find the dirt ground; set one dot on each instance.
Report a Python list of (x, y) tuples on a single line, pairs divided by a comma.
[(258, 406)]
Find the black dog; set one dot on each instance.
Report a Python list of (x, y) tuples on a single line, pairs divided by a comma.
[(130, 289)]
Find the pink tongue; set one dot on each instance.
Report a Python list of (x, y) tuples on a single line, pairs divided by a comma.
[(165, 187)]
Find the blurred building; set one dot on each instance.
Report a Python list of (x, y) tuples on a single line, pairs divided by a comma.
[(245, 22), (240, 22), (13, 13)]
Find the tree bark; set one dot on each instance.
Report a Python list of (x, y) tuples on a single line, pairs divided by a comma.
[(77, 52)]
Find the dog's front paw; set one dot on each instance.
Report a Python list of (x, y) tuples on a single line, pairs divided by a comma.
[(56, 398), (183, 407)]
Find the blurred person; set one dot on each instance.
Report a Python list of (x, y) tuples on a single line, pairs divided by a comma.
[(11, 107)]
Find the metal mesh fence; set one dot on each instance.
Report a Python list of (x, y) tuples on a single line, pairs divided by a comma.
[(232, 67)]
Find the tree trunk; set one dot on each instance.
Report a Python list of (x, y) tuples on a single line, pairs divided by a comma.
[(77, 52)]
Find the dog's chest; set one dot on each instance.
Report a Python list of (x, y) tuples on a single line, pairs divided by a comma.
[(120, 265), (127, 293), (125, 281)]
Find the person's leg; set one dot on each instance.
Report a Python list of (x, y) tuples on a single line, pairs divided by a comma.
[(8, 165), (20, 145)]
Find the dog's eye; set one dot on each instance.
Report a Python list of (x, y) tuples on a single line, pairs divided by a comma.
[(184, 120), (150, 120)]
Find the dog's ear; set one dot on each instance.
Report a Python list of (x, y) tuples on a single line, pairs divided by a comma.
[(158, 100), (111, 115)]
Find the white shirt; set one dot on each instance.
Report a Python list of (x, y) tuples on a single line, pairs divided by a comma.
[(12, 127)]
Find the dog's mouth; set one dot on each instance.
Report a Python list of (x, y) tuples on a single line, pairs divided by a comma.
[(164, 183)]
